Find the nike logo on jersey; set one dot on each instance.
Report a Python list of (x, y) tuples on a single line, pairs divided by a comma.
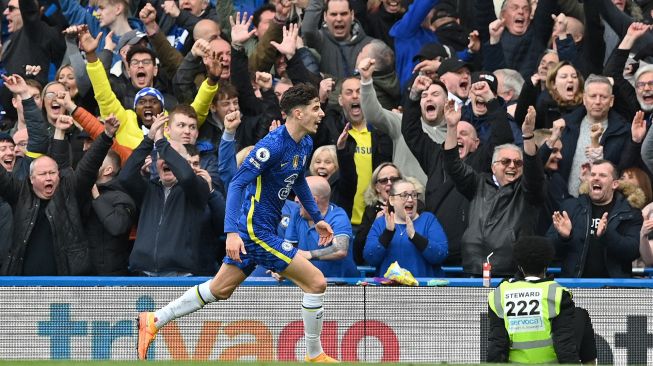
[(284, 164)]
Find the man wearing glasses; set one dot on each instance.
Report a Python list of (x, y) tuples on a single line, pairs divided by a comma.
[(504, 204)]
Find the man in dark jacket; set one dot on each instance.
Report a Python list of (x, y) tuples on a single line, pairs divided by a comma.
[(597, 102), (504, 205), (48, 234), (109, 219), (171, 206), (442, 198), (597, 234)]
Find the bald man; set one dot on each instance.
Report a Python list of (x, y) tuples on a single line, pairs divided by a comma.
[(49, 237), (334, 259)]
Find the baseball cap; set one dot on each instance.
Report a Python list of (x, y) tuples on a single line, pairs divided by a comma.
[(130, 38), (444, 9), (452, 65), (430, 51), (488, 77)]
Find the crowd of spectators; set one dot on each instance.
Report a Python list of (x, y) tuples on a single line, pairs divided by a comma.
[(452, 128)]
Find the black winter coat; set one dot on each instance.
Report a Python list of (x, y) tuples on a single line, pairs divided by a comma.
[(63, 213)]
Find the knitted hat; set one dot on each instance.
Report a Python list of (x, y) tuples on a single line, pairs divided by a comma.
[(151, 92)]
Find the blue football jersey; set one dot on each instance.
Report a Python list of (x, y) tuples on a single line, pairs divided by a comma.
[(270, 172)]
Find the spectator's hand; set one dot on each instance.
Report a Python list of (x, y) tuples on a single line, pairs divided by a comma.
[(562, 223), (170, 7), (496, 30), (87, 43), (274, 125), (111, 125), (638, 127), (410, 227), (474, 44), (64, 100), (558, 127), (16, 84), (147, 15), (482, 89), (275, 275), (559, 26), (389, 219), (637, 29), (235, 247), (63, 122), (325, 232), (452, 115), (342, 139), (535, 79), (72, 31), (595, 134), (282, 9), (366, 68), (420, 84), (647, 227), (157, 125), (603, 225), (32, 70), (263, 80), (213, 63), (200, 48), (288, 45), (528, 126), (428, 67), (232, 121), (109, 44), (145, 169), (326, 86), (206, 176), (240, 32)]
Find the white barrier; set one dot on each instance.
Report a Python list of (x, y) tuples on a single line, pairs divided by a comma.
[(425, 324)]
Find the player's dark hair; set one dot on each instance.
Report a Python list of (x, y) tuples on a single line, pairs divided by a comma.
[(299, 95), (533, 254)]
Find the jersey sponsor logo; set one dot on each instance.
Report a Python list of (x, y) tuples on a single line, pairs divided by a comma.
[(255, 163), (285, 191), (262, 154), (286, 246)]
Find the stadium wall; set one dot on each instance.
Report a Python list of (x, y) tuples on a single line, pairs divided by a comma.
[(81, 320)]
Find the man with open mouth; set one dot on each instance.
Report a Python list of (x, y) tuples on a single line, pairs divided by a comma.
[(597, 234), (484, 108), (148, 101), (48, 235), (504, 205), (597, 109), (340, 41)]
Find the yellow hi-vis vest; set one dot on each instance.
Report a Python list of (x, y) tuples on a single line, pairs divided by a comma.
[(527, 309)]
